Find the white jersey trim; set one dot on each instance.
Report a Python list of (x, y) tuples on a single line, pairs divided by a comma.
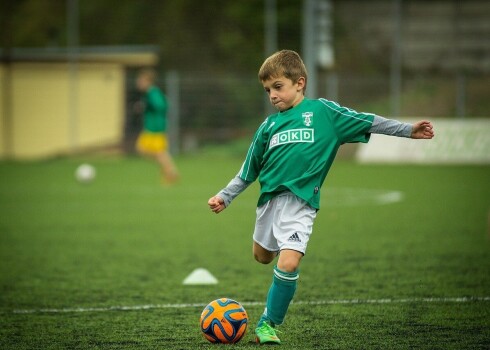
[(250, 151), (325, 102)]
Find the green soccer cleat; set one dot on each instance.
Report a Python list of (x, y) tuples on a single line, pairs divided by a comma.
[(266, 334)]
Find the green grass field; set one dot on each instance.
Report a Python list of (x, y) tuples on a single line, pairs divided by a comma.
[(399, 257)]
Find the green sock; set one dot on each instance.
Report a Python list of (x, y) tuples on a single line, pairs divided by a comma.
[(280, 295)]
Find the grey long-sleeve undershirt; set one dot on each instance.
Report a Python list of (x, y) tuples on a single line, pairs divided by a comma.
[(390, 127), (380, 126), (236, 186)]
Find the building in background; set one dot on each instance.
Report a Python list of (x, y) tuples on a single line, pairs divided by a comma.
[(52, 105)]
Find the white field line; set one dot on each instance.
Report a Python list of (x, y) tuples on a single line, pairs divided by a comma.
[(255, 303)]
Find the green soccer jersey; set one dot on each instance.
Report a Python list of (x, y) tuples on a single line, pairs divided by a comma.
[(154, 119), (294, 149)]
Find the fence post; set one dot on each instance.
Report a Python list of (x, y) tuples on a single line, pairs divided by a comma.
[(73, 53), (396, 65), (172, 90)]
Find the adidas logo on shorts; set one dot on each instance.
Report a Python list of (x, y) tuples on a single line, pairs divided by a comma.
[(294, 238)]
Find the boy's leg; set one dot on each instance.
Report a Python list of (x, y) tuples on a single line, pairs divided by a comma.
[(283, 287), (280, 294), (169, 170), (284, 223)]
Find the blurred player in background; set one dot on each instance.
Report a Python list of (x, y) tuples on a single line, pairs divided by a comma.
[(291, 154), (152, 141)]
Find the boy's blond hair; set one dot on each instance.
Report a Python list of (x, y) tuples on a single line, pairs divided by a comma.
[(284, 63), (148, 73)]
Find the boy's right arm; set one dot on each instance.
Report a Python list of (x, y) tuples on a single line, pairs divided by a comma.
[(224, 197)]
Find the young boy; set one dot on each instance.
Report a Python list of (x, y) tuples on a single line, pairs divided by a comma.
[(152, 141), (291, 154)]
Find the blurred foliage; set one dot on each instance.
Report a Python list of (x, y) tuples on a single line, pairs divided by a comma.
[(32, 23), (191, 35)]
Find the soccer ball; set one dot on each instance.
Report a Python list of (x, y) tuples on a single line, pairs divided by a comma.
[(85, 173), (224, 321)]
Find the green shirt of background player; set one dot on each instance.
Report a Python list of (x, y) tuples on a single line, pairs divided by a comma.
[(152, 141), (154, 117), (291, 154)]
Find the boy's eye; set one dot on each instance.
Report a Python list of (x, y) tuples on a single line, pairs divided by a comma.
[(277, 87)]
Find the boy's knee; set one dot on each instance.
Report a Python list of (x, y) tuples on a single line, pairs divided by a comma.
[(288, 266), (262, 255), (289, 260)]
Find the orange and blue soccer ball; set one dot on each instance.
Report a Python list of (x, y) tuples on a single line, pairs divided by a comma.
[(224, 321)]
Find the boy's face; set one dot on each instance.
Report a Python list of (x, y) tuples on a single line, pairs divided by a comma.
[(143, 83), (283, 93)]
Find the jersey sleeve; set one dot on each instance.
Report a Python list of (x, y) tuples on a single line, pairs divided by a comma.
[(350, 126), (253, 162)]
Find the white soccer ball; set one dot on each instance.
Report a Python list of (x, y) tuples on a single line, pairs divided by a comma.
[(85, 173)]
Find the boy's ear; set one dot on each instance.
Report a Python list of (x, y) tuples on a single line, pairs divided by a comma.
[(301, 83)]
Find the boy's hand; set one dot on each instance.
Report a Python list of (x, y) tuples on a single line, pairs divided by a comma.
[(216, 204), (422, 130)]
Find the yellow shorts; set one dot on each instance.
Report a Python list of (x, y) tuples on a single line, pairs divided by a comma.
[(151, 142)]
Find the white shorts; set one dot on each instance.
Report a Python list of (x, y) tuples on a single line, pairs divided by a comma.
[(284, 222)]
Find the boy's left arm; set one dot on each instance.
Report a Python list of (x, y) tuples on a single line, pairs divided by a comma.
[(422, 129)]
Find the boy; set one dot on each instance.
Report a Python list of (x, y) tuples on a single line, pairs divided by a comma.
[(291, 154), (152, 141)]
